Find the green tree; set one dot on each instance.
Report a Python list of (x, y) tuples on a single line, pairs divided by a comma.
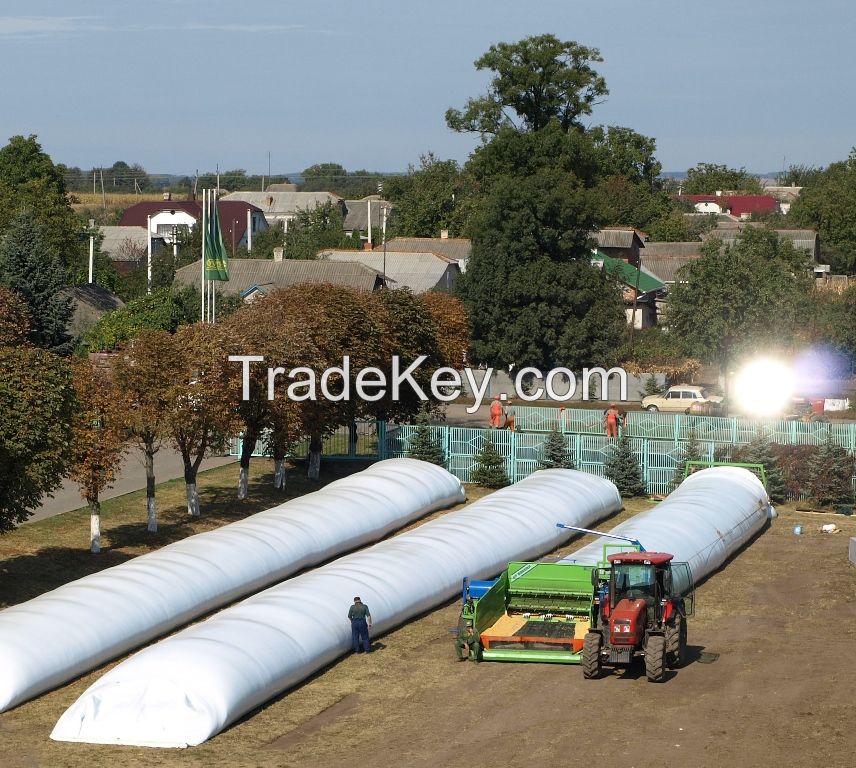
[(829, 206), (424, 445), (556, 454), (332, 177), (428, 199), (36, 409), (622, 468), (801, 176), (690, 451), (30, 182), (489, 470), (830, 475), (29, 268), (317, 229), (740, 298), (709, 178), (539, 79)]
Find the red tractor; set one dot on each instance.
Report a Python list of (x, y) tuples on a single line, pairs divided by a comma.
[(640, 608)]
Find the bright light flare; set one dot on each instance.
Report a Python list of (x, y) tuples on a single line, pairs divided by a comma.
[(764, 387)]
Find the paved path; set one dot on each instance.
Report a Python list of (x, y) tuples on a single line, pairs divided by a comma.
[(132, 477)]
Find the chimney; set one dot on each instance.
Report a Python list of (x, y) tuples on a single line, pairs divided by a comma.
[(444, 234), (167, 195), (277, 253), (718, 192), (367, 246)]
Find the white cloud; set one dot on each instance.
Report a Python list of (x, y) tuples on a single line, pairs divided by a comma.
[(39, 26)]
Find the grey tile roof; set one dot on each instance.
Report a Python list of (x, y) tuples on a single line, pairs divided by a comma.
[(115, 239), (357, 213), (458, 248), (267, 274), (283, 203), (806, 239), (617, 237), (418, 271), (666, 267), (89, 303)]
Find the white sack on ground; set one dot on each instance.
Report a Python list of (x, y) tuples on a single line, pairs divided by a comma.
[(59, 635), (187, 688), (711, 515)]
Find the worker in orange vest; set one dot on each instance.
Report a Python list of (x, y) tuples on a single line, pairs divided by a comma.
[(495, 413), (612, 417)]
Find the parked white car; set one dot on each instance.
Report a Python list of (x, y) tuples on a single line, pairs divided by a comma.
[(682, 398)]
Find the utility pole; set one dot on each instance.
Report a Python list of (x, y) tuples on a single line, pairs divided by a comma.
[(149, 254), (91, 251), (384, 246), (103, 196)]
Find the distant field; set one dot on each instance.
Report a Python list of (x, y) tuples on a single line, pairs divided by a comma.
[(114, 199)]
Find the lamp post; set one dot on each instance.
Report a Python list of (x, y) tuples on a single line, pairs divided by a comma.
[(384, 245), (148, 254), (92, 250)]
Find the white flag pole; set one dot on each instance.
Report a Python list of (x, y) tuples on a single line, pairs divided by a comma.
[(203, 254), (213, 286)]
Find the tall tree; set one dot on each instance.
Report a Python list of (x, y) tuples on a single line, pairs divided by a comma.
[(539, 79), (828, 205), (623, 468), (141, 374), (201, 414), (36, 409), (315, 229), (430, 198), (98, 443), (739, 298), (709, 178), (14, 319), (29, 268)]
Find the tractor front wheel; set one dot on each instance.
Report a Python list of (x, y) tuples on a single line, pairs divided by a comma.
[(655, 658), (591, 655), (676, 642)]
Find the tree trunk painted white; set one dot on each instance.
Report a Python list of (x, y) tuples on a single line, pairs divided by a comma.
[(192, 500), (243, 482), (95, 533), (279, 475), (151, 515)]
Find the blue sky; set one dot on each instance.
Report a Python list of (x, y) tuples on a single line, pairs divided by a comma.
[(180, 85)]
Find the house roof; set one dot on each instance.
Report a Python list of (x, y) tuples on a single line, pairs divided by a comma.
[(357, 213), (457, 248), (628, 274), (283, 203), (657, 249), (666, 268), (618, 237), (806, 239), (89, 303), (268, 275), (233, 214), (738, 204), (418, 271), (115, 239)]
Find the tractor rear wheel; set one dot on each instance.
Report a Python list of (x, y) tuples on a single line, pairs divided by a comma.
[(655, 658), (676, 642), (591, 655)]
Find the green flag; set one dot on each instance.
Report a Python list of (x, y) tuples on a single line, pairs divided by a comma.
[(216, 256)]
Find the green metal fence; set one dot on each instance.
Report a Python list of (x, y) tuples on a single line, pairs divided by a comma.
[(657, 440)]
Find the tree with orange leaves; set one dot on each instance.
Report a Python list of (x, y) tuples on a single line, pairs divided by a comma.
[(98, 439)]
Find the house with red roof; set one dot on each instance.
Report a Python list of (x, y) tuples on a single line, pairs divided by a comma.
[(739, 206), (238, 220)]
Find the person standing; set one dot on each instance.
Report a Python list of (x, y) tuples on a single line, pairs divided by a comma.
[(495, 413), (510, 413), (612, 417), (361, 623)]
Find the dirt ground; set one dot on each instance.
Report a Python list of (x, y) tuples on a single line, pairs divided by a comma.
[(781, 615)]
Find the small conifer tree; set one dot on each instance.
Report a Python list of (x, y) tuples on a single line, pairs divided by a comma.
[(490, 467), (690, 451), (424, 445), (623, 469), (556, 454), (830, 473)]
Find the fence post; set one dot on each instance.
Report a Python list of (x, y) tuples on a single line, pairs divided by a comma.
[(513, 449), (677, 427), (646, 463), (447, 445)]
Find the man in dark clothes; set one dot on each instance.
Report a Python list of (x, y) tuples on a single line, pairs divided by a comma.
[(466, 646), (361, 623)]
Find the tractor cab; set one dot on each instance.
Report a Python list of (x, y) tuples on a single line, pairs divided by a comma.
[(640, 611)]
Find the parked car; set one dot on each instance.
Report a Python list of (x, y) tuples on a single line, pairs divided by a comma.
[(684, 398)]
